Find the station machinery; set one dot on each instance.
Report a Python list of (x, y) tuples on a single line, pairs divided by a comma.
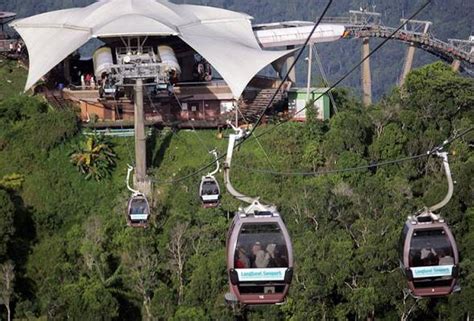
[(119, 67)]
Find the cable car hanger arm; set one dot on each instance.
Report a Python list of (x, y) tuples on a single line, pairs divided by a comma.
[(214, 152), (239, 134), (447, 169), (130, 169)]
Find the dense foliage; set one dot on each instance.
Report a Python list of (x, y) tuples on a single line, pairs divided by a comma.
[(73, 257), (94, 157)]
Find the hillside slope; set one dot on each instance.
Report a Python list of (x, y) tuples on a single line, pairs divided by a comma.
[(75, 258)]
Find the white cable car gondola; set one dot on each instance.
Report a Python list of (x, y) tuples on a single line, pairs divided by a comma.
[(209, 190), (138, 209), (429, 255), (259, 249)]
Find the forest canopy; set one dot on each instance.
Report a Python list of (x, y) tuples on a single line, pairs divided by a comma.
[(72, 256)]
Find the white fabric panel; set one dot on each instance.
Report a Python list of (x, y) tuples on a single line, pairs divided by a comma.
[(224, 38), (237, 64), (127, 26), (47, 47)]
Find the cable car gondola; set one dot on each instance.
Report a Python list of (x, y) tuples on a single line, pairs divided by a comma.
[(138, 211), (209, 190), (259, 249), (429, 255), (259, 256)]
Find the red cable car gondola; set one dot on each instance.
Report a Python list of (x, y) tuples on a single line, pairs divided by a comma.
[(429, 255), (259, 250), (259, 256)]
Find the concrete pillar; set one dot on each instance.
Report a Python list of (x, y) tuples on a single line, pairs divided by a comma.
[(310, 67), (67, 69), (456, 65), (140, 138), (408, 63), (289, 62), (366, 78)]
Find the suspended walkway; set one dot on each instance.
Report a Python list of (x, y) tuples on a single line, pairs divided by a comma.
[(364, 24)]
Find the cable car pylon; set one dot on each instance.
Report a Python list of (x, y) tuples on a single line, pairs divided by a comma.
[(430, 258), (259, 248)]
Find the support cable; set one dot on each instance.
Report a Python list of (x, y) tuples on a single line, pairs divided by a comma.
[(129, 148), (293, 65), (433, 151), (328, 90), (256, 138), (209, 150), (325, 78), (377, 48)]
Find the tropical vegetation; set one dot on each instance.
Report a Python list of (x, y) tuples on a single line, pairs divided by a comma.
[(68, 254), (94, 157)]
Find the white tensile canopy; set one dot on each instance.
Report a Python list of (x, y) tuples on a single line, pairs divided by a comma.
[(224, 38)]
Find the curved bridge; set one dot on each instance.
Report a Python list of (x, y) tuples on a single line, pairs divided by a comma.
[(445, 51), (366, 24)]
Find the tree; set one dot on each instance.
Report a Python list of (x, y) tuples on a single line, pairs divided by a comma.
[(141, 266), (13, 181), (178, 253), (94, 157), (7, 279), (7, 210)]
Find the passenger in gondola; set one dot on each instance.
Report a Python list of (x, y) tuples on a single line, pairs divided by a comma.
[(262, 259), (427, 250), (281, 259), (429, 255), (431, 260), (271, 252), (415, 258), (255, 248), (242, 261), (445, 258)]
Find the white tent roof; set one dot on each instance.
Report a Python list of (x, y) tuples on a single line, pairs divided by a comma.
[(224, 38)]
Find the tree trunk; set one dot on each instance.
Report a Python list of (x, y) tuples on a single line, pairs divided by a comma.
[(371, 316), (146, 305), (7, 305), (177, 249)]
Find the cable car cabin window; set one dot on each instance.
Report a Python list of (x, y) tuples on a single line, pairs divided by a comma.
[(139, 207), (429, 248), (261, 246), (209, 188)]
